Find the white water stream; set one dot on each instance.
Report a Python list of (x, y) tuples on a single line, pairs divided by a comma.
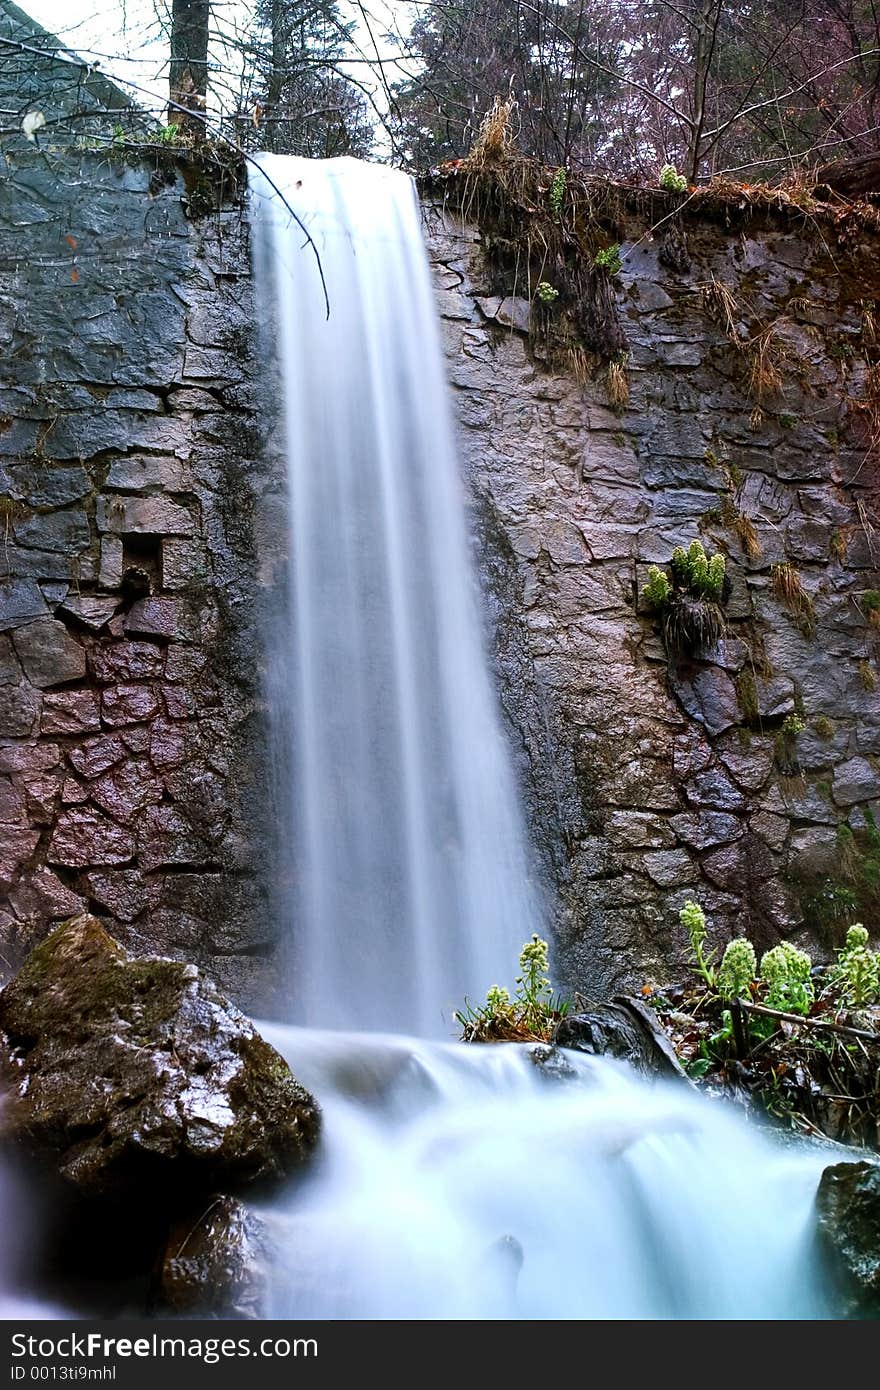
[(454, 1182)]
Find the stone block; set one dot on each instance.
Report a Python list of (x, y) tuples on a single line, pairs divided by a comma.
[(128, 704), (19, 709), (154, 617), (48, 653), (154, 516), (126, 661), (854, 781), (21, 600), (84, 836), (90, 612), (70, 712)]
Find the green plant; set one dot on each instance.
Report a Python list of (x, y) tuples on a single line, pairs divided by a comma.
[(823, 726), (786, 973), (747, 695), (169, 135), (546, 292), (738, 968), (672, 180), (856, 976), (867, 676), (693, 919), (792, 725), (531, 1014), (608, 259), (658, 589), (557, 192), (688, 601)]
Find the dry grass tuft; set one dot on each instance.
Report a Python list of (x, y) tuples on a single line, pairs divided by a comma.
[(788, 588), (867, 675), (618, 385), (764, 362), (496, 138), (721, 305)]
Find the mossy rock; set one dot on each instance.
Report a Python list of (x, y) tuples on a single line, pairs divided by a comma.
[(136, 1077)]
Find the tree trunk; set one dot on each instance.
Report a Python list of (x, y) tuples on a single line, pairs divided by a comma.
[(188, 79), (852, 177)]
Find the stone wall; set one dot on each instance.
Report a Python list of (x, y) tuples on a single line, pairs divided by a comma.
[(650, 781), (132, 751), (142, 527)]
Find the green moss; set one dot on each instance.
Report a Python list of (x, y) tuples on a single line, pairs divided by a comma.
[(747, 695)]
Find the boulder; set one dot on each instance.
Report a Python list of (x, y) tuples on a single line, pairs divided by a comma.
[(137, 1079), (848, 1218), (625, 1029), (217, 1262)]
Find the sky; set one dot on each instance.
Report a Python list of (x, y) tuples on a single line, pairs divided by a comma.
[(127, 42)]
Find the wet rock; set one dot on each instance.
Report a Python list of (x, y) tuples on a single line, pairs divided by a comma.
[(702, 830), (20, 602), (48, 653), (65, 532), (126, 661), (217, 1262), (128, 704), (95, 755), (10, 670), (85, 836), (552, 1063), (92, 613), (70, 712), (713, 788), (139, 1080), (854, 781), (709, 697), (17, 844), (154, 617), (848, 1219), (19, 709), (126, 789), (625, 1029), (671, 867)]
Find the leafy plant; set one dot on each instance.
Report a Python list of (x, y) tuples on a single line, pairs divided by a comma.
[(557, 192), (693, 919), (546, 292), (609, 259), (531, 1014), (786, 972), (856, 976), (792, 725), (688, 600), (672, 180), (738, 968)]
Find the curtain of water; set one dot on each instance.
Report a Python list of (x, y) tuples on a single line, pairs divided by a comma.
[(408, 864), (453, 1181)]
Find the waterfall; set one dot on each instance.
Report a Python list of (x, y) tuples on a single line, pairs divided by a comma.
[(460, 1182), (454, 1181), (409, 880)]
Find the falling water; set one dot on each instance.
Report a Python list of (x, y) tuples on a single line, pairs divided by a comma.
[(461, 1182), (411, 884), (453, 1181)]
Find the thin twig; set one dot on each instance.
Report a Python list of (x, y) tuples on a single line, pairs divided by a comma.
[(809, 1022)]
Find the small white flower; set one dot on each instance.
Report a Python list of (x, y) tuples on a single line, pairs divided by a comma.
[(33, 121)]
